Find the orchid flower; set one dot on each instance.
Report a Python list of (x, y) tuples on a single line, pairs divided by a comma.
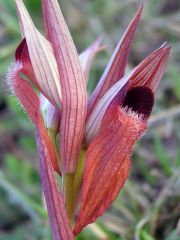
[(97, 135)]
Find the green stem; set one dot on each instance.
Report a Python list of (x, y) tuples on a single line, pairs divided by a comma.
[(71, 187), (52, 136), (68, 195), (78, 177)]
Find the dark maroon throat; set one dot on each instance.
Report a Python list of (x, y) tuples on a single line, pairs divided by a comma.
[(140, 100)]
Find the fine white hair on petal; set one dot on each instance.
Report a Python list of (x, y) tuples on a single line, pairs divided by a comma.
[(13, 70), (129, 112)]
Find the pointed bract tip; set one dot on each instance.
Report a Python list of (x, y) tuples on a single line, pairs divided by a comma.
[(166, 50), (166, 45), (141, 7), (98, 44)]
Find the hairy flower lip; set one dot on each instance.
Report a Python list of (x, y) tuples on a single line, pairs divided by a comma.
[(106, 170)]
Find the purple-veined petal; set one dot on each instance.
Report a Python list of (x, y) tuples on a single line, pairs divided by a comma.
[(42, 57), (72, 82), (86, 57), (148, 74), (116, 68)]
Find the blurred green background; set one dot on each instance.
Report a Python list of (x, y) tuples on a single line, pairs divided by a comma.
[(148, 207)]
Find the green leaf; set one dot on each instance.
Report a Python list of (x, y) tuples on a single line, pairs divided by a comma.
[(32, 208), (162, 156), (145, 235)]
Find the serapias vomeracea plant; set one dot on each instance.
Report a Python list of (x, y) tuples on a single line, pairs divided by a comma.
[(97, 134)]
